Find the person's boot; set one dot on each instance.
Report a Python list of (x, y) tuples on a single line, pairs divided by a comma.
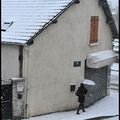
[(77, 113), (84, 111)]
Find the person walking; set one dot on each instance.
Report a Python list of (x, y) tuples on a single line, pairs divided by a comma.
[(81, 91)]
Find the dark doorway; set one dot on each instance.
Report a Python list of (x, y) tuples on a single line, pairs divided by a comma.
[(6, 100)]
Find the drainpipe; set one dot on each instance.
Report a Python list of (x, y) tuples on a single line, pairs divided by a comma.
[(20, 61)]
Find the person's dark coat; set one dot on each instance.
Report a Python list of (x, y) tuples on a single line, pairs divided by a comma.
[(81, 93)]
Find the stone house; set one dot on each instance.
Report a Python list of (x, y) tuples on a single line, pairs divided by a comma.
[(49, 47)]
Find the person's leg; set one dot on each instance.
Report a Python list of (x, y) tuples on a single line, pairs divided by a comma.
[(83, 107), (79, 108)]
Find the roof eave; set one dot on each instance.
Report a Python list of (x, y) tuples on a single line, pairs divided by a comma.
[(12, 43)]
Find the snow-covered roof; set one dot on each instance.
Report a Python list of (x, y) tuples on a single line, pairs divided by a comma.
[(116, 45), (28, 17), (101, 55)]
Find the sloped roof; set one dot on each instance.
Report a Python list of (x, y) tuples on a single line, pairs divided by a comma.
[(109, 18), (28, 17), (116, 18)]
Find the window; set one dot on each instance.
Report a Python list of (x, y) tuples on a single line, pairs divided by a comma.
[(6, 25), (94, 29), (72, 88), (76, 63)]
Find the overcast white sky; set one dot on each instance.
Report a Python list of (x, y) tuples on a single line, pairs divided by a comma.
[(114, 3)]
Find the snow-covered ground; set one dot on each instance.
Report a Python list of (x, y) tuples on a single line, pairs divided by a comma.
[(107, 106), (115, 73), (115, 66)]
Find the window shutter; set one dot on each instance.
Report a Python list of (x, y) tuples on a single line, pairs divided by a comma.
[(94, 29)]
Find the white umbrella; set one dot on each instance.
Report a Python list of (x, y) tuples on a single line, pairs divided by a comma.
[(88, 82)]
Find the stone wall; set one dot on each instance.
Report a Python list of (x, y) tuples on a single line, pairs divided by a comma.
[(100, 77)]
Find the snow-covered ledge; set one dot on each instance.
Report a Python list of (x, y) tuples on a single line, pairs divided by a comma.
[(101, 58)]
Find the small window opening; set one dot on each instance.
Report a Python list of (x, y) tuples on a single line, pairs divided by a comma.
[(6, 25), (72, 88), (76, 63)]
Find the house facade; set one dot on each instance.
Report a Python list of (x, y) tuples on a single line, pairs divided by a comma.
[(76, 45)]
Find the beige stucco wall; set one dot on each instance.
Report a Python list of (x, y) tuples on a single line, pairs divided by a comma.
[(48, 63), (9, 61)]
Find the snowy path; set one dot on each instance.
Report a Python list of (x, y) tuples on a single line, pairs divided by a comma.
[(115, 73), (104, 118), (107, 106)]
